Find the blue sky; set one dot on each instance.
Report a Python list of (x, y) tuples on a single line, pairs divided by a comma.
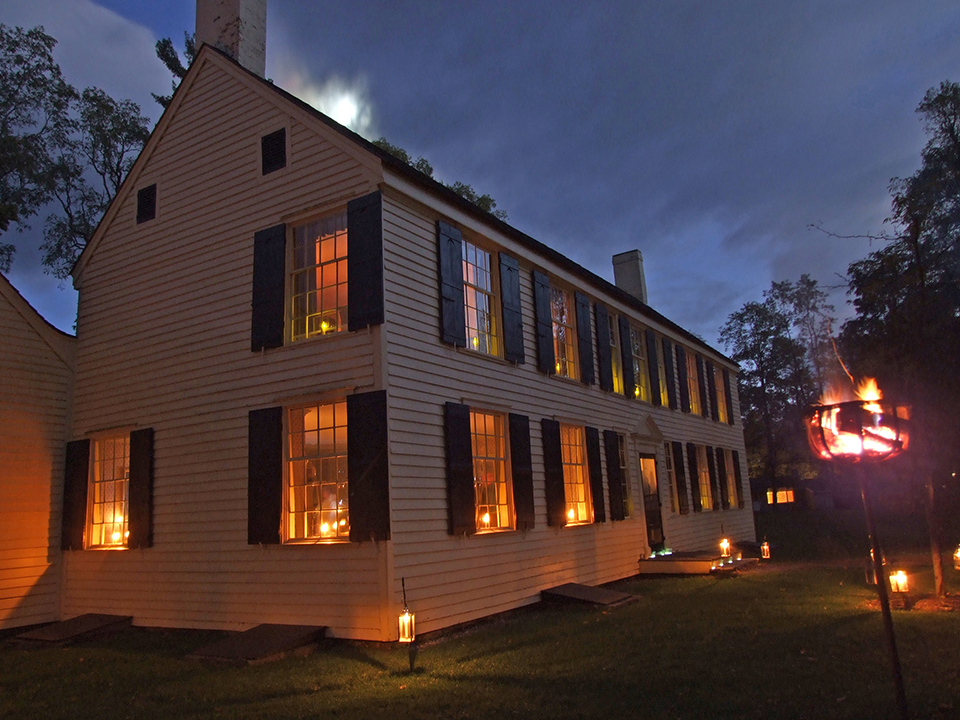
[(710, 136)]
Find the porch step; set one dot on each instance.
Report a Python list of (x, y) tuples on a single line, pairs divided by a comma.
[(262, 643), (692, 564), (584, 594), (67, 632)]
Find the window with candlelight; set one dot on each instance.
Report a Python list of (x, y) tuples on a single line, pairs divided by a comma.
[(703, 477), (491, 482), (616, 355), (319, 277), (721, 386), (641, 377), (575, 490), (109, 492), (480, 300), (693, 383), (564, 333)]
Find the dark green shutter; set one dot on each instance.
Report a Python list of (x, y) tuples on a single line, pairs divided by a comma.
[(264, 475), (553, 473), (521, 466), (729, 397), (365, 261), (722, 474), (450, 251), (546, 360), (596, 474), (75, 478), (146, 203), (585, 339), (269, 281), (738, 478), (682, 379), (603, 347), (712, 472), (368, 468), (273, 151), (654, 368), (702, 386), (694, 477), (611, 446), (668, 368), (512, 312), (683, 504), (461, 495), (626, 356), (140, 515), (712, 389)]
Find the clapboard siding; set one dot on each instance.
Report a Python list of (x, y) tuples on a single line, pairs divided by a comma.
[(36, 363), (164, 323)]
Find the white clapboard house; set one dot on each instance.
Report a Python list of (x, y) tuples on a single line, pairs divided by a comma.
[(306, 371)]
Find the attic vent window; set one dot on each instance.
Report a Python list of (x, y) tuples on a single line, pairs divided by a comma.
[(273, 151), (147, 203)]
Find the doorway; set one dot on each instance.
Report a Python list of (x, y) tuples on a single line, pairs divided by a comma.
[(651, 501)]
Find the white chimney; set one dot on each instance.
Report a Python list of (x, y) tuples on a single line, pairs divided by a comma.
[(628, 274), (238, 27)]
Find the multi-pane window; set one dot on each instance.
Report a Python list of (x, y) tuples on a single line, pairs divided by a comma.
[(575, 492), (615, 355), (109, 492), (662, 373), (564, 335), (319, 277), (671, 476), (316, 502), (781, 497), (479, 300), (721, 395), (693, 383), (731, 478), (625, 490), (490, 470), (703, 472), (640, 377)]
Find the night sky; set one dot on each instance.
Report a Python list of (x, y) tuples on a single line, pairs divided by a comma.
[(709, 135)]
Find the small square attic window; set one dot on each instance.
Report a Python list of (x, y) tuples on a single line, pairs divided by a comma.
[(146, 203), (273, 151)]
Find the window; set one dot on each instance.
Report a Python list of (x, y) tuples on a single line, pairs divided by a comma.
[(564, 335), (316, 498), (574, 459), (782, 496), (693, 383), (662, 373), (703, 471), (319, 277), (488, 441), (616, 358), (721, 397), (109, 492), (146, 203), (640, 377), (671, 475), (731, 478), (479, 300), (625, 491)]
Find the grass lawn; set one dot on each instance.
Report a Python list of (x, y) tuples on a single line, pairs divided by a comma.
[(788, 640)]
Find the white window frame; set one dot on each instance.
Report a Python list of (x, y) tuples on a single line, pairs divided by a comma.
[(498, 515), (101, 532), (480, 281), (314, 310), (578, 506), (564, 323)]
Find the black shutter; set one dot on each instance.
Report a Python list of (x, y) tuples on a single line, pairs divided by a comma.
[(512, 312), (626, 356), (682, 379), (722, 474), (611, 445), (264, 475), (75, 478), (368, 470), (596, 473), (546, 360), (694, 477), (726, 388), (140, 516), (450, 253), (553, 473), (702, 387), (461, 496), (668, 368), (712, 389), (365, 262), (712, 472), (654, 368), (521, 466), (738, 478), (585, 339), (269, 281), (146, 203), (683, 504), (603, 347), (273, 151)]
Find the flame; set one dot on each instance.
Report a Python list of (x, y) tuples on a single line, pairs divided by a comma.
[(869, 390)]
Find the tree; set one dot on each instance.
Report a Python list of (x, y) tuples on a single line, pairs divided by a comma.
[(169, 57), (35, 118)]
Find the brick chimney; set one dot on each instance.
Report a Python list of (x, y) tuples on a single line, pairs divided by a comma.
[(238, 27), (628, 274)]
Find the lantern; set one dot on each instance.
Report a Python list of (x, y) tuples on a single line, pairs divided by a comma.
[(765, 550), (956, 559), (899, 582), (407, 620), (858, 430), (724, 548)]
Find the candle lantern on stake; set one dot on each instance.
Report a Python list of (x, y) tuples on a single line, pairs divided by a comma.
[(724, 548), (765, 550), (899, 582), (407, 626)]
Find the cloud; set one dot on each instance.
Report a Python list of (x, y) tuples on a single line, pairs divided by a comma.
[(346, 101)]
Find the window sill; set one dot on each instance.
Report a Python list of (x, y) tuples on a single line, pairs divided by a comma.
[(481, 354), (309, 542)]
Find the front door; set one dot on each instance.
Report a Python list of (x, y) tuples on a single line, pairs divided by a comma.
[(651, 501)]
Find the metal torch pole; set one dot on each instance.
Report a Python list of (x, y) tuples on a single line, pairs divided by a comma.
[(883, 583)]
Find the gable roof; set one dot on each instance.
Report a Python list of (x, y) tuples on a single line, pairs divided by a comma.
[(61, 343), (207, 53)]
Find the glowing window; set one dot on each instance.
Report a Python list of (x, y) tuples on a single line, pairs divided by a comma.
[(564, 335), (109, 492), (662, 374), (319, 277), (703, 471), (721, 395), (640, 377), (479, 300), (575, 491), (316, 498), (731, 478), (693, 384), (490, 471), (615, 355)]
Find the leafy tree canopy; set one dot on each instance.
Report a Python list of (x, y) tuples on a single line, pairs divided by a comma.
[(171, 60)]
